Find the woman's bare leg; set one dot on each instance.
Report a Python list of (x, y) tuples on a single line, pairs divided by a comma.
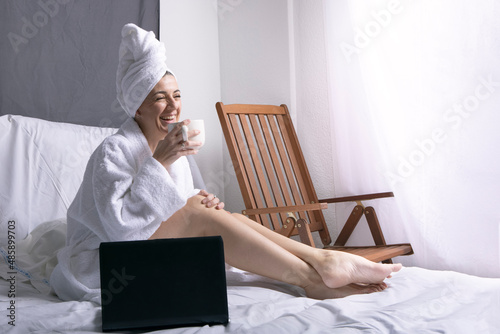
[(335, 268), (249, 250)]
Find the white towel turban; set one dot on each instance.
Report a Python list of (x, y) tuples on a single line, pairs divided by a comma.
[(141, 64)]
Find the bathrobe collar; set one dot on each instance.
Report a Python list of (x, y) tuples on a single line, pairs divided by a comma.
[(132, 131)]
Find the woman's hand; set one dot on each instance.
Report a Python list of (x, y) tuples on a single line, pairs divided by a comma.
[(211, 200), (172, 147)]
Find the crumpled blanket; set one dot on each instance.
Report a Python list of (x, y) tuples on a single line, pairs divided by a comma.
[(35, 256)]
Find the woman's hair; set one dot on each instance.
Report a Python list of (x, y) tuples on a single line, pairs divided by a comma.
[(168, 73)]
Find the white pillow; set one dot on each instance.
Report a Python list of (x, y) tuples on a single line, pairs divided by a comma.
[(42, 165)]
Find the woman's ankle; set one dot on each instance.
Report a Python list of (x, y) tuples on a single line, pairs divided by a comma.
[(303, 277)]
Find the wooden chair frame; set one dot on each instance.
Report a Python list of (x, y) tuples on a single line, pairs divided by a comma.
[(276, 185)]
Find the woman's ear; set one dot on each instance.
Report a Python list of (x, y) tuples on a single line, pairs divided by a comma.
[(138, 113)]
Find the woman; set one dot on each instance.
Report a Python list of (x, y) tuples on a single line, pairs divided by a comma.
[(138, 185)]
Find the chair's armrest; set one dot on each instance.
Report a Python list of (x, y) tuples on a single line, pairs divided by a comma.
[(357, 198), (292, 208)]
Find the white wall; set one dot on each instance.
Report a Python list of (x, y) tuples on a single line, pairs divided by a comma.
[(189, 30)]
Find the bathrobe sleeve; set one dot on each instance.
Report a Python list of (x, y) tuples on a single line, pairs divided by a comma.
[(132, 200)]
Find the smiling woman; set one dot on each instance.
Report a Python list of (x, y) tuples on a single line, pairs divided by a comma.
[(138, 186)]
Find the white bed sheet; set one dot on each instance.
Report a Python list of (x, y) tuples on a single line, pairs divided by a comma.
[(417, 301)]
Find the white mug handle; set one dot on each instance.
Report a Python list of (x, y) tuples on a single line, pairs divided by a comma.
[(184, 133)]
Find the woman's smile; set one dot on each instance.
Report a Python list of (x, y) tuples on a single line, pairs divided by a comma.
[(162, 107), (165, 120)]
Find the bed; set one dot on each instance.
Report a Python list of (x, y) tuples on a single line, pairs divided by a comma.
[(42, 167)]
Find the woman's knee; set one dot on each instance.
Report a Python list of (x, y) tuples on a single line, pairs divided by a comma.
[(194, 202), (195, 206)]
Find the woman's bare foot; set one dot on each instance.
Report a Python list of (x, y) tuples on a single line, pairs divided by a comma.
[(321, 291), (338, 269), (315, 287)]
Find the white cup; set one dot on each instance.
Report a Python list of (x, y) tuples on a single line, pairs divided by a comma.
[(196, 124)]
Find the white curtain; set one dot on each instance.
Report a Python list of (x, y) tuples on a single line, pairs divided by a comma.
[(414, 97)]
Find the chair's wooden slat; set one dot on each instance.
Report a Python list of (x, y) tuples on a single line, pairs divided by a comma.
[(272, 149), (247, 170), (357, 198), (296, 168), (291, 208), (250, 109), (229, 127), (259, 170), (268, 166), (283, 156)]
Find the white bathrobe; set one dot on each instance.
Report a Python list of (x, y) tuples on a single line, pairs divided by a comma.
[(125, 195)]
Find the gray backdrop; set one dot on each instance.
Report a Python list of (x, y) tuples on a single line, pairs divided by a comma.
[(58, 58)]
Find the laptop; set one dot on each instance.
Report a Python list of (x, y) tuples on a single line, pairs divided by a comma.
[(164, 283)]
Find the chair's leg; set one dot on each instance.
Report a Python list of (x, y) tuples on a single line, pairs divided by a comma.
[(376, 230), (349, 226), (374, 225), (304, 232)]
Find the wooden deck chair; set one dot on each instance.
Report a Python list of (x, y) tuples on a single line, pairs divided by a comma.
[(277, 188)]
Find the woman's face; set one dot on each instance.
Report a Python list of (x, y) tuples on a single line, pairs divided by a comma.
[(162, 106)]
